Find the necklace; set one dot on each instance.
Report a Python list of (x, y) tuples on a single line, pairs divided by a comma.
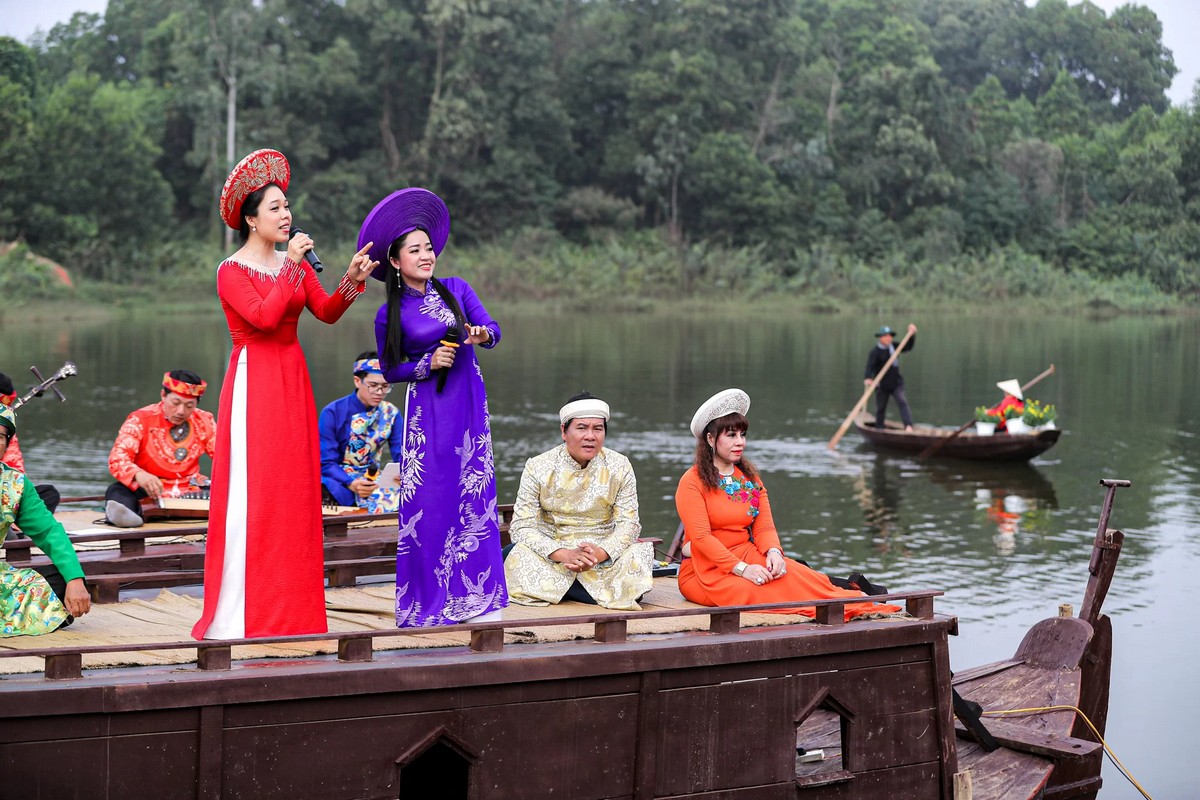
[(179, 433), (257, 264)]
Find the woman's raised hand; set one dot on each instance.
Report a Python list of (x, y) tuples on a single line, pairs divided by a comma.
[(477, 334), (361, 265)]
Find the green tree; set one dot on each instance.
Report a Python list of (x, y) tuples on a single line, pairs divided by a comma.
[(98, 193)]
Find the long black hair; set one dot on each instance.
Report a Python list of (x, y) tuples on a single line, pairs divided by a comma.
[(393, 346)]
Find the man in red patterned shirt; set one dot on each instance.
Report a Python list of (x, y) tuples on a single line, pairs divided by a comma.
[(158, 449)]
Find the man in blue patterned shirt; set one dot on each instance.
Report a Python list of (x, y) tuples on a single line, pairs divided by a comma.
[(353, 431)]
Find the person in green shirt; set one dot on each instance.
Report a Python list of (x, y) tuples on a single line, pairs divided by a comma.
[(35, 601)]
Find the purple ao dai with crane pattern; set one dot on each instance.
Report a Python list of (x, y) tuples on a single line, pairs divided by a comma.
[(448, 562)]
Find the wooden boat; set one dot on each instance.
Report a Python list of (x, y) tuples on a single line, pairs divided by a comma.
[(718, 711), (999, 447)]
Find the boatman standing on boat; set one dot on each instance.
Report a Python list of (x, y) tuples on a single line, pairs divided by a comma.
[(892, 382), (575, 522), (41, 600), (354, 430), (158, 449)]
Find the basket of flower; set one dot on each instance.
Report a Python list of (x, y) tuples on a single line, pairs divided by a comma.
[(1039, 417), (985, 421), (1014, 422)]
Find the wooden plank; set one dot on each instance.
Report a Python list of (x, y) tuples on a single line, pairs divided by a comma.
[(64, 667), (645, 768), (724, 622), (358, 649), (487, 641), (1020, 738), (610, 632), (209, 755), (831, 614), (213, 658), (882, 741), (1055, 643)]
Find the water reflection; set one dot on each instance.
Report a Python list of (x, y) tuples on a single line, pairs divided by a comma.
[(1006, 543)]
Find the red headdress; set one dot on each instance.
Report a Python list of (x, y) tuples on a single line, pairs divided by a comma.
[(183, 388), (251, 174)]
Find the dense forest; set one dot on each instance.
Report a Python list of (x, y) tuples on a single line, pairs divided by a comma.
[(834, 147)]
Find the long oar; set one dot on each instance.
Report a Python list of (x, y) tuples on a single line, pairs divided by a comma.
[(940, 443), (862, 401)]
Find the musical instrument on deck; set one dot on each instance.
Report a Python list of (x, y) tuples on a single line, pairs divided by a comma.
[(189, 505)]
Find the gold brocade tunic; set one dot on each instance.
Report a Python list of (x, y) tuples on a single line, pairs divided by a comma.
[(560, 505)]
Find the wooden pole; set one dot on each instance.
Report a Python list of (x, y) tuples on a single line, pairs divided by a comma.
[(862, 401), (940, 443)]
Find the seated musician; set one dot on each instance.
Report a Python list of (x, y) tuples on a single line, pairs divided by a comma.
[(40, 600), (1013, 398), (158, 449), (575, 523), (12, 455), (353, 431)]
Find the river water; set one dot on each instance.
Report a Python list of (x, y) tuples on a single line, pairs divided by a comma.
[(1006, 543)]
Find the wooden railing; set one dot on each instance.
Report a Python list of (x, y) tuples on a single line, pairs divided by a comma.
[(66, 663), (109, 571)]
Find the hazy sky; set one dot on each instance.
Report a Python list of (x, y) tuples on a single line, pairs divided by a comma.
[(1180, 19)]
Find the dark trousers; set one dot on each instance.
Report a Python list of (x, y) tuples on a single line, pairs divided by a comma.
[(50, 496), (881, 403), (126, 496), (58, 583), (576, 592)]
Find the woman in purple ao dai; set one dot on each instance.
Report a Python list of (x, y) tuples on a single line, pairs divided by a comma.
[(449, 568)]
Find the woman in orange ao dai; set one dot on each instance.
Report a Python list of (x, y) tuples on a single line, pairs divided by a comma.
[(732, 551)]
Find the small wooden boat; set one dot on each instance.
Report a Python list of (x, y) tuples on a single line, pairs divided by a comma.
[(999, 447)]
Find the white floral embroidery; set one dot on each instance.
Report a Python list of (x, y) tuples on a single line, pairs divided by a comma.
[(434, 306), (474, 480), (421, 371), (412, 467)]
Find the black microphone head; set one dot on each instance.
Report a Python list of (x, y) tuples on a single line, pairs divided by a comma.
[(453, 334), (311, 255)]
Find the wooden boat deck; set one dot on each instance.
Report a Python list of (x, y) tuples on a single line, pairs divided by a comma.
[(675, 701)]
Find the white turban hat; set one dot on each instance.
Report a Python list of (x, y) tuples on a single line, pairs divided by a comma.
[(720, 404)]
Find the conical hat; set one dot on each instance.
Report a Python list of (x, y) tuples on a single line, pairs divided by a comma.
[(1011, 386)]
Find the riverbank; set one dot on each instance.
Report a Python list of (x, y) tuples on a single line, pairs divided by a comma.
[(643, 273)]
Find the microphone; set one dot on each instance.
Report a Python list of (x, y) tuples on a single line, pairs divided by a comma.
[(453, 334), (311, 255)]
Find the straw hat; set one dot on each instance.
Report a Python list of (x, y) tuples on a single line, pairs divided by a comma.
[(1011, 386), (723, 402), (251, 174), (397, 214)]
